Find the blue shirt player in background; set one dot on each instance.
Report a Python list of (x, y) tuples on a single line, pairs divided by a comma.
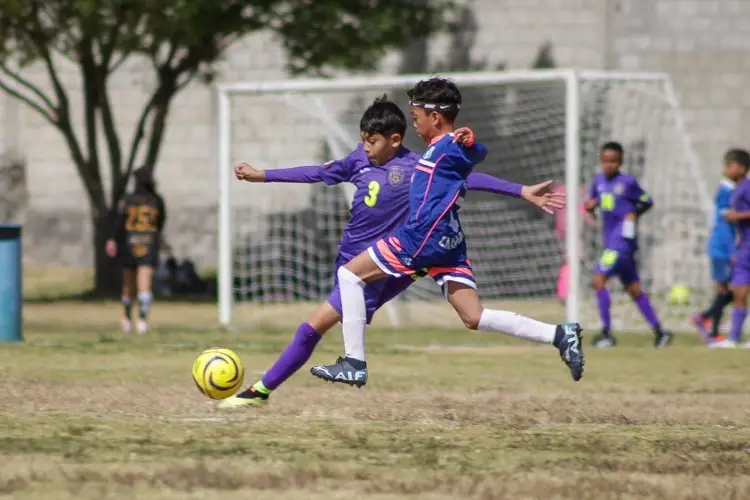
[(432, 239), (721, 246), (739, 213), (621, 200)]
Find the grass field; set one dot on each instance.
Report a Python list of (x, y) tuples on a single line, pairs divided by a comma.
[(88, 413)]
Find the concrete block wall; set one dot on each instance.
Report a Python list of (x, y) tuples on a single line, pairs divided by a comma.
[(701, 43)]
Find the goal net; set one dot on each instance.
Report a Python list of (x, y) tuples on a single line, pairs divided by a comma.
[(278, 242)]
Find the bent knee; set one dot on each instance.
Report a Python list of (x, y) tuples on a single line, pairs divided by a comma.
[(471, 321)]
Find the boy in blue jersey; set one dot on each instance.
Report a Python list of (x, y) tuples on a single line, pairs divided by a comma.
[(621, 201), (721, 246), (380, 169), (739, 214), (432, 239)]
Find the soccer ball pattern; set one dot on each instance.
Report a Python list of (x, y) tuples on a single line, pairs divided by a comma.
[(218, 373)]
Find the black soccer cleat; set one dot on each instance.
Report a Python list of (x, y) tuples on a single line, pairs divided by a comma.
[(345, 370), (604, 340), (571, 348), (663, 338)]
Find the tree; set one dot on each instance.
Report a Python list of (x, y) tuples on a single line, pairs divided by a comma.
[(182, 39)]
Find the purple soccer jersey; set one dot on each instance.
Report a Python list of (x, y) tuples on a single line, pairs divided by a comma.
[(740, 202), (380, 205), (618, 196)]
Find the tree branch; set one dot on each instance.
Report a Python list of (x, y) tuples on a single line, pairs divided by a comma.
[(25, 83), (26, 99), (89, 77)]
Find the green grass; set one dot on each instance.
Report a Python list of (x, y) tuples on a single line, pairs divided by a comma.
[(90, 413)]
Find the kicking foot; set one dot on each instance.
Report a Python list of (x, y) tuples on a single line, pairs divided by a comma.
[(571, 349), (245, 399), (663, 339), (345, 370), (126, 325)]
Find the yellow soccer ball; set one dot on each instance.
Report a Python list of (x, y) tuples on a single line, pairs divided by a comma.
[(680, 295), (218, 373)]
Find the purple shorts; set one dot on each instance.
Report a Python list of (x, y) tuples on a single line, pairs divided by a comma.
[(377, 293), (740, 275), (620, 264)]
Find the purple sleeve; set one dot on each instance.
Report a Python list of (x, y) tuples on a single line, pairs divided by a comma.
[(486, 182), (305, 175), (592, 190)]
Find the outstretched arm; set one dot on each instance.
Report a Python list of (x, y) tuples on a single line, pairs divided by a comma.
[(305, 175), (538, 195), (333, 172)]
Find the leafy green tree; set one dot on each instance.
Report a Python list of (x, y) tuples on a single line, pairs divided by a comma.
[(183, 40)]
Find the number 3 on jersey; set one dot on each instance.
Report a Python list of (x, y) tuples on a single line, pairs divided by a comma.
[(373, 190)]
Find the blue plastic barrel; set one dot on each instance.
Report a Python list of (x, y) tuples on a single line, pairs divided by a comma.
[(11, 293)]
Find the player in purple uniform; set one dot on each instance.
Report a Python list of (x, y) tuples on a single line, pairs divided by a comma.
[(739, 213), (621, 201), (432, 238), (380, 168)]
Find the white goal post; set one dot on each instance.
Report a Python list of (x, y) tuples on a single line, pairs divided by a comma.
[(551, 121)]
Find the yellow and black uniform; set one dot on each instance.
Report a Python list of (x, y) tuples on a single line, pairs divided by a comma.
[(140, 220)]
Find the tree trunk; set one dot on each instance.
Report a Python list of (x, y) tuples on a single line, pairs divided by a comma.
[(107, 275)]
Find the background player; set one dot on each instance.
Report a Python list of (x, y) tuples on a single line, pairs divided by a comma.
[(432, 238), (721, 246), (621, 201), (380, 168), (739, 213), (137, 233)]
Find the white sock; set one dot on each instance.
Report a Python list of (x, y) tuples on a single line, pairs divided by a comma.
[(517, 325), (353, 313), (144, 302)]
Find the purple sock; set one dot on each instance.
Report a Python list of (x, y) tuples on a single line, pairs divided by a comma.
[(648, 311), (602, 297), (738, 319), (293, 358)]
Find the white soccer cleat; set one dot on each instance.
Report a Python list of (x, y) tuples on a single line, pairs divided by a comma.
[(126, 325), (142, 326), (723, 344)]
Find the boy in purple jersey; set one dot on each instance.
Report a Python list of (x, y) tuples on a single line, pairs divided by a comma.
[(380, 168), (739, 213), (621, 201), (432, 238)]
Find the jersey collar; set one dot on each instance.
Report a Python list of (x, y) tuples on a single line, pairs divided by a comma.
[(435, 139), (728, 183)]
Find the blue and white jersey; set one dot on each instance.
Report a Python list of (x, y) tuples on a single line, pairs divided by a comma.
[(437, 188), (721, 244)]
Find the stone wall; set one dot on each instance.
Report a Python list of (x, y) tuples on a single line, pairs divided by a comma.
[(701, 43)]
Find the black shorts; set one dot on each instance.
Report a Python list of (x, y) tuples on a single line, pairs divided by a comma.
[(139, 254)]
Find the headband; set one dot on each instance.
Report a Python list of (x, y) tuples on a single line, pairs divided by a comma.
[(425, 105)]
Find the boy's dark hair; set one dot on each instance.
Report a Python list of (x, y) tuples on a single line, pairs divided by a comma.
[(738, 156), (144, 180), (613, 146), (436, 94), (383, 117)]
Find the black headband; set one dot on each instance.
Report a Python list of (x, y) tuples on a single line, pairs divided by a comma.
[(425, 105)]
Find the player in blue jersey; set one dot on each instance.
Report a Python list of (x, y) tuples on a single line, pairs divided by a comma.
[(739, 214), (432, 239), (721, 247), (621, 201), (380, 168)]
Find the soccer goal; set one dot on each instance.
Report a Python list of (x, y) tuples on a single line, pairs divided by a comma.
[(277, 242)]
